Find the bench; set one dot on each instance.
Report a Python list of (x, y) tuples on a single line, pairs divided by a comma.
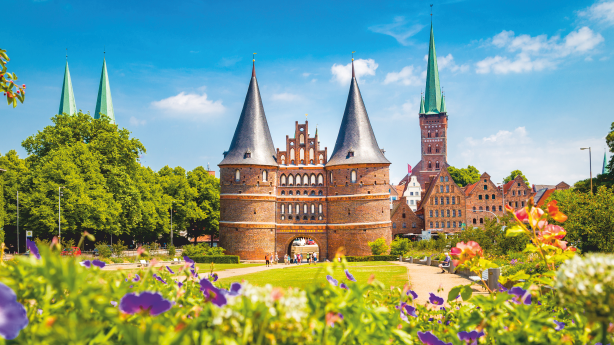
[(143, 263), (176, 260), (477, 279)]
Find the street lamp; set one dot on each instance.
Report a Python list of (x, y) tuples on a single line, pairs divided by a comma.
[(60, 194), (488, 212), (17, 222), (172, 221), (590, 163)]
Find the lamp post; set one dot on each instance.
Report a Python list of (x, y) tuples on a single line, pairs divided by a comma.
[(17, 222), (489, 212), (590, 164), (60, 213), (172, 221)]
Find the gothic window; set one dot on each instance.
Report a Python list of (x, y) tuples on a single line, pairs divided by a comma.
[(353, 176), (442, 200), (282, 179), (319, 208), (436, 224), (305, 208), (290, 180), (320, 179), (297, 208), (321, 159), (474, 221), (525, 192), (290, 193), (430, 165), (431, 225), (290, 209), (500, 208), (514, 192), (440, 189), (403, 215), (486, 196), (453, 213), (493, 197), (436, 149), (436, 201), (311, 154), (283, 208), (283, 192), (331, 178), (429, 150), (264, 176), (283, 159), (305, 180), (302, 138), (320, 218), (298, 179), (283, 217), (319, 192), (436, 134), (292, 154), (441, 180), (304, 192), (437, 165), (481, 208), (313, 192), (481, 220), (429, 134), (485, 187), (237, 175), (302, 154), (313, 208), (480, 197), (313, 179)]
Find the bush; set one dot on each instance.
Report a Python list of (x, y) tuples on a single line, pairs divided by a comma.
[(202, 249), (119, 248), (171, 250), (218, 259), (379, 246), (371, 258), (399, 246), (103, 250)]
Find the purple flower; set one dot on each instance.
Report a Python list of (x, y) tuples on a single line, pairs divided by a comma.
[(180, 284), (349, 276), (442, 308), (470, 337), (343, 286), (409, 310), (158, 278), (341, 316), (513, 262), (194, 274), (430, 319), (33, 250), (213, 277), (233, 291), (522, 295), (113, 303), (434, 299), (502, 288), (13, 316), (212, 294), (413, 293), (151, 303), (429, 338), (332, 280), (86, 263), (170, 270), (559, 325), (40, 312), (99, 263), (188, 260), (136, 278)]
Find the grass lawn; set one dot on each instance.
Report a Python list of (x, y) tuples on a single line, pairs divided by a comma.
[(202, 268), (303, 275)]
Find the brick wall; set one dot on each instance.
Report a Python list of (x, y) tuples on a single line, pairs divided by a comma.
[(442, 207), (247, 242), (484, 196), (518, 193), (404, 220)]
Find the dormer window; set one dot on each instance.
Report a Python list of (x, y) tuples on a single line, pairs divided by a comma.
[(350, 153), (248, 154)]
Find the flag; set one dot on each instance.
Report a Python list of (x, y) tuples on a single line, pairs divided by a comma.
[(408, 169)]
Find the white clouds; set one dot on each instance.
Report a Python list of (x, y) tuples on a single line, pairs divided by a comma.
[(602, 11), (286, 97), (306, 74), (136, 122), (447, 62), (407, 76), (190, 106), (543, 161), (536, 53), (400, 29), (343, 73)]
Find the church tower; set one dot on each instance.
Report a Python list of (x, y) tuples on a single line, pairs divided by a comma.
[(358, 180), (248, 178), (104, 103), (67, 100), (433, 123)]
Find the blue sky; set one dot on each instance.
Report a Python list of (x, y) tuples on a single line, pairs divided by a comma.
[(527, 84)]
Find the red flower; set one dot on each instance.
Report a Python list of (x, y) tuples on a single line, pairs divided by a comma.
[(465, 251), (554, 212), (553, 232), (522, 215)]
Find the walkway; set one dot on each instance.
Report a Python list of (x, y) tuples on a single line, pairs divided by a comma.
[(425, 279)]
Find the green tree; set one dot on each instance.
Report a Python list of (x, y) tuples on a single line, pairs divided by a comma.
[(590, 224), (8, 82), (14, 180), (399, 246), (515, 174), (208, 200), (609, 140), (464, 176), (379, 247)]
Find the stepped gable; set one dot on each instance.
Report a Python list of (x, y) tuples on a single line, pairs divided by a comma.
[(252, 143), (356, 143)]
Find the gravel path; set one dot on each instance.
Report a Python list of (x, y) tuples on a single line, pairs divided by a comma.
[(425, 279)]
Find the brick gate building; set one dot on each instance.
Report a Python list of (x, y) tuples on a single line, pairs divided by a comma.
[(271, 197)]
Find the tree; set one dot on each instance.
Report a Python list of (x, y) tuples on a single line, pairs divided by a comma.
[(464, 176), (399, 246), (8, 83), (14, 180), (208, 200), (379, 247), (515, 174), (590, 225)]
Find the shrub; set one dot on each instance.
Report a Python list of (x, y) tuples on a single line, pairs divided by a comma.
[(103, 250), (171, 250), (371, 258), (202, 249), (218, 259), (119, 248), (379, 246), (399, 246)]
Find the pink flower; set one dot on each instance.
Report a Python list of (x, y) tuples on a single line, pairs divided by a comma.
[(465, 251), (552, 232), (522, 215), (535, 215)]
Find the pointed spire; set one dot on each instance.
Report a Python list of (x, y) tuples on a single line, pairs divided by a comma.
[(432, 97), (356, 143), (605, 170), (104, 103), (353, 74), (421, 104), (442, 108), (252, 143), (67, 99)]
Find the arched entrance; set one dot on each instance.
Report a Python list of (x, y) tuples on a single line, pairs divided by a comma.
[(305, 246)]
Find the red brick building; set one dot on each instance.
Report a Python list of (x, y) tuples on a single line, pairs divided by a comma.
[(517, 193), (443, 204), (404, 220), (484, 200), (269, 198)]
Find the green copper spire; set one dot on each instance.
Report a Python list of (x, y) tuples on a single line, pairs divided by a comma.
[(443, 105), (104, 104), (605, 169), (421, 105), (67, 100), (432, 97)]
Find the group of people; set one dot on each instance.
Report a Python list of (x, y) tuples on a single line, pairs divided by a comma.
[(298, 258), (271, 258)]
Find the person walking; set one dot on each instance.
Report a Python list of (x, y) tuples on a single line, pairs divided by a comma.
[(266, 259), (276, 258), (315, 258)]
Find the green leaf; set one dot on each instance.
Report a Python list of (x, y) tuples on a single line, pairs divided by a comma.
[(454, 293), (520, 275), (466, 292), (531, 249), (515, 230)]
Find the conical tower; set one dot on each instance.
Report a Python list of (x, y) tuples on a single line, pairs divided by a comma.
[(248, 176), (67, 100), (104, 103), (432, 96), (358, 192)]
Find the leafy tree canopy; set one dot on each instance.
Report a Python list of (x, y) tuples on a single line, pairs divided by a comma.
[(515, 174), (464, 176)]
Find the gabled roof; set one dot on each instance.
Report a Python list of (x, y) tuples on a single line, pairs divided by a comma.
[(507, 186), (252, 133), (544, 197), (432, 93), (67, 99), (429, 191), (395, 206), (400, 189), (104, 103), (356, 143), (470, 188)]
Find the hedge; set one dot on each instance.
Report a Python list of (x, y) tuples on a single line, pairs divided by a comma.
[(218, 259), (372, 258)]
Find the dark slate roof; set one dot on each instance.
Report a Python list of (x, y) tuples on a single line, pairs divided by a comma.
[(252, 134), (356, 134)]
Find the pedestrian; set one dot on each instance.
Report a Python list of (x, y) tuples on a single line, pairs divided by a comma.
[(445, 263), (315, 258), (276, 258), (266, 259)]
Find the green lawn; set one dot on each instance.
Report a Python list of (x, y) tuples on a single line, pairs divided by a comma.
[(303, 275), (202, 268)]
